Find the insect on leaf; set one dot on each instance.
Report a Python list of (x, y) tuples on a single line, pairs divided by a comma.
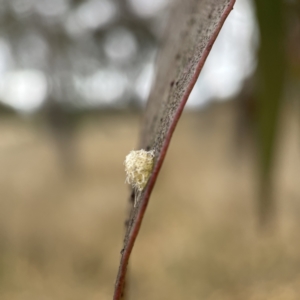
[(191, 31)]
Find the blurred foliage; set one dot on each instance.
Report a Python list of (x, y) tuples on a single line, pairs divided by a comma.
[(82, 47), (270, 87), (277, 79)]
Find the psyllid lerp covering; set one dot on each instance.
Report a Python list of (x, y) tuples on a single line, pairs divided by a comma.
[(138, 168)]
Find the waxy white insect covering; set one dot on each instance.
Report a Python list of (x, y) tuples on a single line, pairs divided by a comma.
[(138, 168)]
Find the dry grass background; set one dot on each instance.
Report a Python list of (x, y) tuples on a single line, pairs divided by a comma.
[(60, 235)]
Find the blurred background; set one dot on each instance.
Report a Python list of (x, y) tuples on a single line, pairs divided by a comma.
[(223, 219)]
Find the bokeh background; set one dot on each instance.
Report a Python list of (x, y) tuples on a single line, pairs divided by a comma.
[(74, 79)]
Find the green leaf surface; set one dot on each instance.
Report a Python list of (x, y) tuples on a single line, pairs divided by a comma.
[(270, 72)]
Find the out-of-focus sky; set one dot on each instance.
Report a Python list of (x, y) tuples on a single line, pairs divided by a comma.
[(104, 62)]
